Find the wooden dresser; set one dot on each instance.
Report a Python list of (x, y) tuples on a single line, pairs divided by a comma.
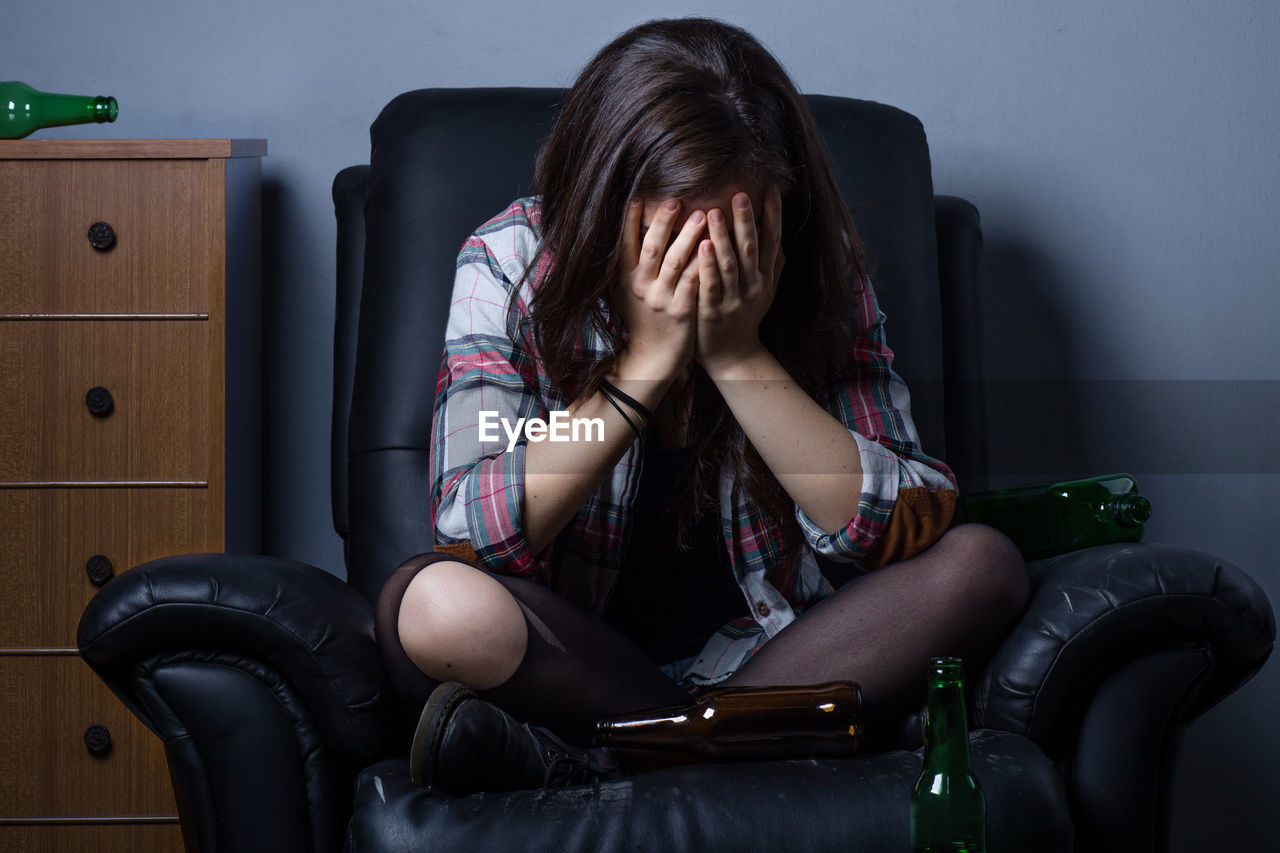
[(130, 429)]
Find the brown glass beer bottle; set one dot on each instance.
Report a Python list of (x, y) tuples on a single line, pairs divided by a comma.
[(740, 723)]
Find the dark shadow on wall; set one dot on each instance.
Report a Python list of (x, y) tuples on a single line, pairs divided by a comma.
[(298, 293), (1034, 421), (276, 240), (1048, 423)]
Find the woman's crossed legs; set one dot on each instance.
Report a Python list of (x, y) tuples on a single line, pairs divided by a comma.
[(547, 662)]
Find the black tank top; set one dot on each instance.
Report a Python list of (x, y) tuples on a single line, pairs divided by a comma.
[(669, 601)]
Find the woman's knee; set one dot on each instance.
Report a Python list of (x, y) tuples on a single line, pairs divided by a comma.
[(987, 568), (457, 623)]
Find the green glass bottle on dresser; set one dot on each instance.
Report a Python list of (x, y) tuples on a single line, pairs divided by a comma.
[(948, 808), (23, 109)]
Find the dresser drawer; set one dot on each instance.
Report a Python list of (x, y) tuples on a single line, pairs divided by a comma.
[(158, 376), (47, 703), (166, 217), (49, 536), (95, 837)]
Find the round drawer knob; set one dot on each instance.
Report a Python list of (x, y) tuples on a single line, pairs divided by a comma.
[(102, 236), (99, 401), (98, 739), (99, 569)]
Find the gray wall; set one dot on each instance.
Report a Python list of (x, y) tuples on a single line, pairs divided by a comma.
[(1123, 156)]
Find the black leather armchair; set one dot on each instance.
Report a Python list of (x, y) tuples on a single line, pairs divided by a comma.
[(262, 676)]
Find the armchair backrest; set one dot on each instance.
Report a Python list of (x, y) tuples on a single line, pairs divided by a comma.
[(444, 161)]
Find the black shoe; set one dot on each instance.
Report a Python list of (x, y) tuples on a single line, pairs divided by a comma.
[(463, 745)]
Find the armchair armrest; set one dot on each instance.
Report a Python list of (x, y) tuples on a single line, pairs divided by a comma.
[(263, 679), (1095, 611), (1121, 647)]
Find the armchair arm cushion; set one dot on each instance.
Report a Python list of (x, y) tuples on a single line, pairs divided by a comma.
[(305, 625), (1096, 610)]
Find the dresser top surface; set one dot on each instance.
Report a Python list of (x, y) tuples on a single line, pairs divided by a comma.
[(130, 149)]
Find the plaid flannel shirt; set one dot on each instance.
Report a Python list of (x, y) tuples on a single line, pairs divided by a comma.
[(490, 364)]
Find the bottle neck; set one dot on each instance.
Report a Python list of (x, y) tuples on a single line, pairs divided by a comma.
[(1131, 510), (946, 731), (50, 110)]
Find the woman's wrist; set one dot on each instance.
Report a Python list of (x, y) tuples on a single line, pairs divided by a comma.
[(754, 363), (644, 378)]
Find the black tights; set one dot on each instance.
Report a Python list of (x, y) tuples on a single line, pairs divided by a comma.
[(880, 629)]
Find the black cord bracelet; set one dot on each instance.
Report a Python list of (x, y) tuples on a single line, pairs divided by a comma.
[(629, 400), (614, 403)]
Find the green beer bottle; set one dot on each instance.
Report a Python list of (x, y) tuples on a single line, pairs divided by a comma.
[(1047, 520), (948, 808), (23, 109)]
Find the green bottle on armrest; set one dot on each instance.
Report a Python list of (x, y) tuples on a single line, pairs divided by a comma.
[(1047, 520), (23, 109)]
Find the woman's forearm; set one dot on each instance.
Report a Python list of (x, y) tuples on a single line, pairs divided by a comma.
[(810, 452), (560, 475)]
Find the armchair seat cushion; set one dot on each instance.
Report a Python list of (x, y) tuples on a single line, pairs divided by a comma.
[(851, 805)]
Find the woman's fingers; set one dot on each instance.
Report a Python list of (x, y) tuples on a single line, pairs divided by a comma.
[(726, 256), (710, 284), (681, 251), (653, 249), (744, 231), (685, 298)]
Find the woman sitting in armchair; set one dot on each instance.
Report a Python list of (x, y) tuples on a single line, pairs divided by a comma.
[(688, 286)]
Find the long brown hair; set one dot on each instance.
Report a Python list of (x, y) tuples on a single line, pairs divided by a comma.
[(671, 108)]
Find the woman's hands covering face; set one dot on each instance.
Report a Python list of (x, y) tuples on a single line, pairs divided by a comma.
[(659, 288), (704, 293), (737, 279)]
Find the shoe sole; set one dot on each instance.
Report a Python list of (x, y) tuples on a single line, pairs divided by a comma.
[(431, 726)]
